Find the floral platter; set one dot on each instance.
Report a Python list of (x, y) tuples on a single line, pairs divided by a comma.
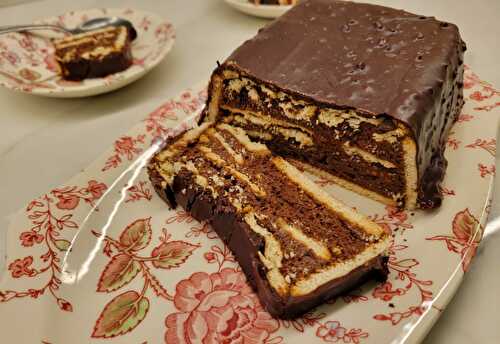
[(156, 275), (27, 62)]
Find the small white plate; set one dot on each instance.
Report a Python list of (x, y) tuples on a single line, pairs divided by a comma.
[(27, 61), (262, 11)]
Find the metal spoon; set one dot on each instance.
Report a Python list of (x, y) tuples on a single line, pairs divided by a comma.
[(89, 25)]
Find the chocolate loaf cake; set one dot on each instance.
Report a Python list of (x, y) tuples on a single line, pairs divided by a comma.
[(362, 94), (94, 54), (297, 245)]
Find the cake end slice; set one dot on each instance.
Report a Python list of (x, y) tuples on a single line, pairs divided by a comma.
[(297, 245)]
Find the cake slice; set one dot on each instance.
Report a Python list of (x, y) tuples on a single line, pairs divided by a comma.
[(297, 245), (94, 54), (362, 94)]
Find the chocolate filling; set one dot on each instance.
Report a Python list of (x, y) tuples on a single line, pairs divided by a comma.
[(328, 155), (287, 202)]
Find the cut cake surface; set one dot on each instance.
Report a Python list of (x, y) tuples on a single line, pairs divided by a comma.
[(297, 245)]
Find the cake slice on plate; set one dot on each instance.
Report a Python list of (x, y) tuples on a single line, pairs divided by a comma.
[(94, 54), (362, 94), (297, 245)]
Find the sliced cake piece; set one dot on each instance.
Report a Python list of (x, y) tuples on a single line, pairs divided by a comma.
[(94, 54), (363, 94), (297, 245)]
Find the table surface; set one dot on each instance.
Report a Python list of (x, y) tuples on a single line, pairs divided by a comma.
[(46, 141)]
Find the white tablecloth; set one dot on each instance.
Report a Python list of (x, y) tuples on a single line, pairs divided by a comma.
[(43, 142)]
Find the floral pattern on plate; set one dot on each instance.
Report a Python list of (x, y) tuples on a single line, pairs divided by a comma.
[(159, 276), (27, 61)]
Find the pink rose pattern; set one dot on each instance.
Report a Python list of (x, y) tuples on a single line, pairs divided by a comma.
[(215, 306), (218, 308)]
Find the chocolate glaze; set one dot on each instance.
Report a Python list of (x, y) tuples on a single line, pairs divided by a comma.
[(374, 59), (245, 245)]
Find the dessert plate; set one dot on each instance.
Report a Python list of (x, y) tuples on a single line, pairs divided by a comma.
[(262, 11), (27, 62), (156, 275)]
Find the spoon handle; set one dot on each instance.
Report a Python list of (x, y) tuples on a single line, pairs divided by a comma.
[(18, 28)]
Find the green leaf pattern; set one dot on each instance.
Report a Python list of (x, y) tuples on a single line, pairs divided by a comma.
[(121, 315), (172, 254), (126, 311), (137, 235), (120, 271)]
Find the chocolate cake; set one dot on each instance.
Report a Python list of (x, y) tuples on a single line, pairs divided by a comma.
[(94, 54), (297, 245), (362, 94)]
